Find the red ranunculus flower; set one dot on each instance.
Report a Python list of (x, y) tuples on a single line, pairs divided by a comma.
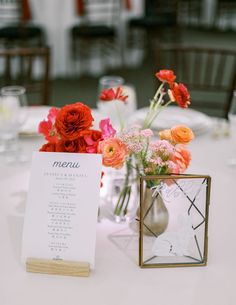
[(113, 94), (48, 147), (179, 93), (87, 142), (166, 76), (75, 146), (72, 119)]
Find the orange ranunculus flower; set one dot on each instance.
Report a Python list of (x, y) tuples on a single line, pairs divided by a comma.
[(179, 94), (114, 152), (165, 135), (166, 76), (72, 119), (181, 134), (182, 158)]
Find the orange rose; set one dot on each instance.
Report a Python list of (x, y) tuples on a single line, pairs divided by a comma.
[(166, 76), (182, 158), (165, 135), (114, 152), (72, 119), (179, 94), (181, 134)]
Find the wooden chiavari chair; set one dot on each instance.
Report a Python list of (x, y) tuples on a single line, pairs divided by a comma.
[(28, 67), (208, 73), (16, 28)]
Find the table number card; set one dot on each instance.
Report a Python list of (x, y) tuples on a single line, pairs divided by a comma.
[(61, 213)]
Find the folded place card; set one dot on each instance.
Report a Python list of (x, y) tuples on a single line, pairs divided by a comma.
[(62, 207)]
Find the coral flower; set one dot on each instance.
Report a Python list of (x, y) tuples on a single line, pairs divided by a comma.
[(114, 152), (181, 134), (113, 94), (182, 158), (72, 119), (179, 94), (166, 76)]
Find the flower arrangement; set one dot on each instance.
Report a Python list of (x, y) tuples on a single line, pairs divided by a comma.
[(146, 156), (69, 129)]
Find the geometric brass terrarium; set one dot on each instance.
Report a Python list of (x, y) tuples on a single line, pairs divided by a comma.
[(173, 220)]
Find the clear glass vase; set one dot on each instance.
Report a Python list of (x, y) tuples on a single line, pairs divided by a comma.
[(122, 194)]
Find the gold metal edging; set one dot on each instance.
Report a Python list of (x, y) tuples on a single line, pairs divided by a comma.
[(141, 223)]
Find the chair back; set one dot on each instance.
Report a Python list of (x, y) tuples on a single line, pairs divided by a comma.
[(28, 67), (10, 12), (209, 74), (161, 8), (190, 13), (101, 12), (225, 15)]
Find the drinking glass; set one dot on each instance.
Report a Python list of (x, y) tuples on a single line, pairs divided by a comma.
[(232, 122), (13, 113), (117, 111)]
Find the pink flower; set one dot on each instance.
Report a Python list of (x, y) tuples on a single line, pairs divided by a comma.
[(106, 128), (162, 148), (47, 128), (113, 94), (173, 167), (114, 152), (53, 112), (147, 133)]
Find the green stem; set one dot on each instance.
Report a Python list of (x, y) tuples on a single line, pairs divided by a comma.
[(125, 192), (154, 110), (158, 91)]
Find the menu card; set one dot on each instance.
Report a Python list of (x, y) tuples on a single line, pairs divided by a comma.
[(62, 207)]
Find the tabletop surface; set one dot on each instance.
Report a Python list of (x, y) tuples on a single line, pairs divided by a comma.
[(117, 279)]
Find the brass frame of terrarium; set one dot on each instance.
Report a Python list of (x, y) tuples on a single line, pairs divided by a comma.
[(203, 262)]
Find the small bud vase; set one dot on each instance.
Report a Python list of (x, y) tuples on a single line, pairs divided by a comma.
[(155, 213)]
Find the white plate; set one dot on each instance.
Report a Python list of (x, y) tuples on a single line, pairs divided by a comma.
[(172, 115), (35, 115)]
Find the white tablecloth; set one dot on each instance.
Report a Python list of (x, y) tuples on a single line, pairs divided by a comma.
[(117, 279)]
